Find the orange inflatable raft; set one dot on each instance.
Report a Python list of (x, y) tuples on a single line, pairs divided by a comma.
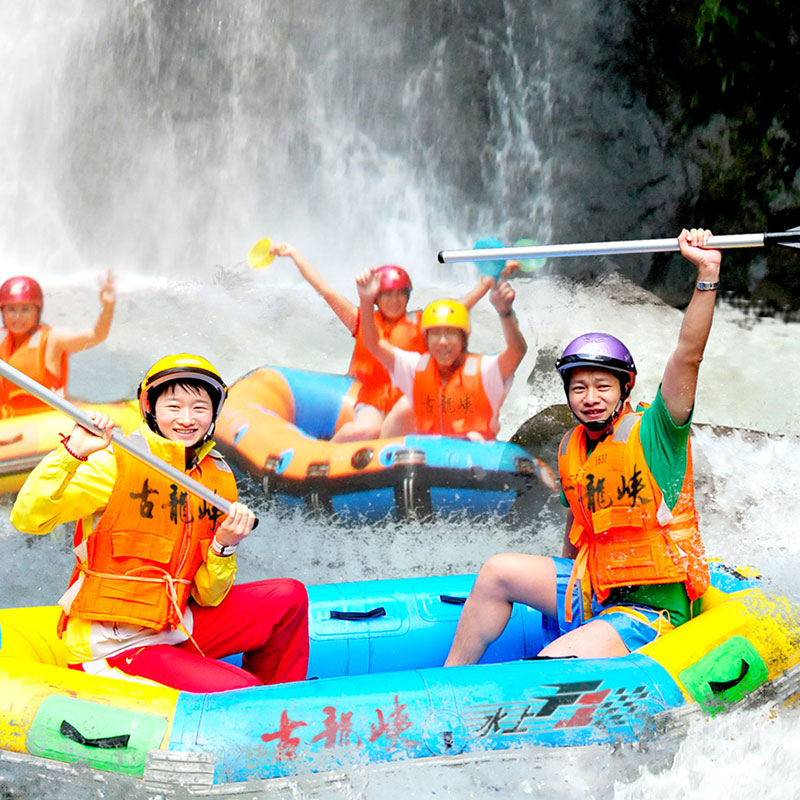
[(277, 424), (25, 439)]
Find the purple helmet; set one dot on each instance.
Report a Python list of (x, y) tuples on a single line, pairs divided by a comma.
[(598, 351)]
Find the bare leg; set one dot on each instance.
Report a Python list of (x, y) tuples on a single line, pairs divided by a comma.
[(400, 419), (595, 639), (503, 580), (366, 425)]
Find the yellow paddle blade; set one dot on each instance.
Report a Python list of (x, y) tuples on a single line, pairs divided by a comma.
[(259, 255)]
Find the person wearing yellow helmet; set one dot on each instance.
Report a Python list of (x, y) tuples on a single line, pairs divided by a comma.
[(378, 399), (152, 595), (182, 371), (452, 391), (38, 350)]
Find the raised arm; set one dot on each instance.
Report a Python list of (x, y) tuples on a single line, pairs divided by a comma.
[(69, 342), (502, 298), (679, 384), (340, 305), (477, 291), (485, 283), (369, 283)]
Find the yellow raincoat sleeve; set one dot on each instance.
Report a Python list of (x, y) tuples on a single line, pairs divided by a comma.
[(63, 489), (213, 579)]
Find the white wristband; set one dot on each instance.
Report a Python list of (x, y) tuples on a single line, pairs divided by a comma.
[(223, 550)]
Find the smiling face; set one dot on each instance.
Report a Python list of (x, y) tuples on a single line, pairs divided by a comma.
[(594, 394), (184, 414), (392, 303), (20, 318), (446, 345)]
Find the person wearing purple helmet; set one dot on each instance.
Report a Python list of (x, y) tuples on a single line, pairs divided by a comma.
[(632, 565), (599, 350)]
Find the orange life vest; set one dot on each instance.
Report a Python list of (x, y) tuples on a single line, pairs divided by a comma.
[(457, 407), (29, 358), (138, 564), (624, 531), (376, 385)]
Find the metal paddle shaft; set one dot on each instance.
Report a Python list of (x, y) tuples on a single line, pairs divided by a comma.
[(82, 418), (789, 238)]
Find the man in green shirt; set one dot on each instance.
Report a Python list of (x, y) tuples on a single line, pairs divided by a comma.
[(632, 565)]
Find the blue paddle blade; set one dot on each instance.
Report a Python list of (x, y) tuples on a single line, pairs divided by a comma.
[(490, 268)]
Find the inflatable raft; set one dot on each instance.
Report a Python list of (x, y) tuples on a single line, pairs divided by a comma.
[(276, 426), (26, 439), (380, 693)]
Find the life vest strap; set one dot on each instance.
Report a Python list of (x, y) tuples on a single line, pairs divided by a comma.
[(578, 571), (164, 577), (662, 624)]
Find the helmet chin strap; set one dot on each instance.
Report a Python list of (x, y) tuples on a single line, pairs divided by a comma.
[(598, 428)]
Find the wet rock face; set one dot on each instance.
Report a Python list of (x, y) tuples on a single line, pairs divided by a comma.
[(540, 435)]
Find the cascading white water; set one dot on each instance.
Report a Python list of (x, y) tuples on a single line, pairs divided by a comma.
[(165, 138)]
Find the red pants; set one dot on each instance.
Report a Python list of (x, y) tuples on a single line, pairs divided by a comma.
[(267, 621)]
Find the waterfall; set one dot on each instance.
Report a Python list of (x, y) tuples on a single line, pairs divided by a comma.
[(165, 136)]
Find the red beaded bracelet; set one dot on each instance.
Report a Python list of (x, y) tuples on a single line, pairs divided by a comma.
[(64, 440)]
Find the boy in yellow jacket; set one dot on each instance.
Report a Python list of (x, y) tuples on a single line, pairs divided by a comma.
[(152, 595)]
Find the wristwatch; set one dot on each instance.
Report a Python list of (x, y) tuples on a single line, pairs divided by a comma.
[(707, 286), (223, 550)]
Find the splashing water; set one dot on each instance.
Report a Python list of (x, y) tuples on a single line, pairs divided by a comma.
[(166, 138)]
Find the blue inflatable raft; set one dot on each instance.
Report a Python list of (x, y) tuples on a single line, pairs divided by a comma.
[(376, 690)]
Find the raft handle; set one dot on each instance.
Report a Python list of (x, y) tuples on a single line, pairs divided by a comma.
[(380, 611), (12, 440), (453, 601), (721, 686), (104, 743), (361, 458), (547, 658)]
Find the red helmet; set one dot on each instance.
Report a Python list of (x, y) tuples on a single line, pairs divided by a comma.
[(21, 290), (393, 277)]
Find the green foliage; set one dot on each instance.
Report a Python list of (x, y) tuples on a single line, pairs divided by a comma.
[(723, 76)]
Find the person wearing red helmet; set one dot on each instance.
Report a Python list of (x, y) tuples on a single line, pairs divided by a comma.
[(632, 565), (38, 350), (379, 405), (452, 391)]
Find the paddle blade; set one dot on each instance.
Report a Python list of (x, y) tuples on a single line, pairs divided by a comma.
[(259, 255), (490, 268), (529, 266), (790, 238)]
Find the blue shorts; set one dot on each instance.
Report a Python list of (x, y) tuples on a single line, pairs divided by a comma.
[(636, 625)]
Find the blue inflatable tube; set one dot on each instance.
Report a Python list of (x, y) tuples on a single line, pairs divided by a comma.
[(376, 690)]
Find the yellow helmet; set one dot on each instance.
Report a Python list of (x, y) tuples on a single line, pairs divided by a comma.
[(183, 366), (446, 314)]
